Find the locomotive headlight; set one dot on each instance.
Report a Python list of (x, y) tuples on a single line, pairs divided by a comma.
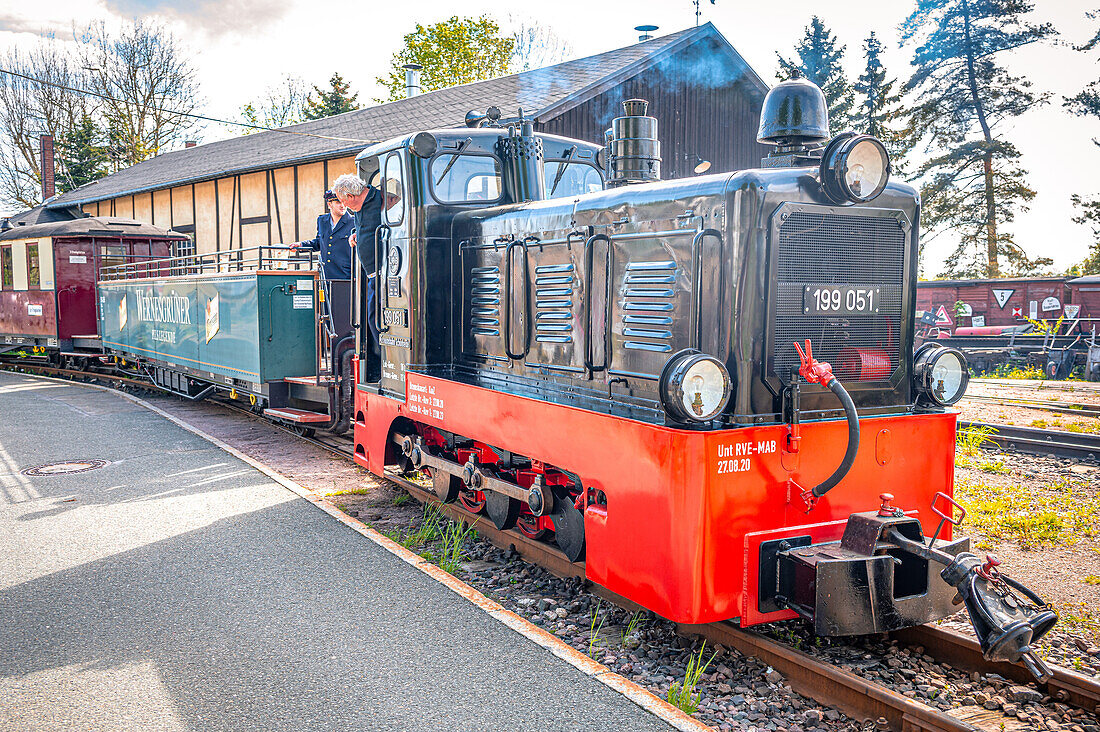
[(941, 374), (854, 168), (695, 387)]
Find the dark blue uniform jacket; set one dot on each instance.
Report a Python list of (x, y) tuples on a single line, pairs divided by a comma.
[(332, 243)]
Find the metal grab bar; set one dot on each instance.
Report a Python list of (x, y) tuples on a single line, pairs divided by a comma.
[(378, 289), (589, 363), (511, 297), (697, 281)]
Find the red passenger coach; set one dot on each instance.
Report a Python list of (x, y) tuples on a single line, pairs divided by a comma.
[(48, 275), (706, 389)]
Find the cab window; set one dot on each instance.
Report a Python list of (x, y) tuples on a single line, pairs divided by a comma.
[(7, 280), (458, 178), (393, 189), (564, 178), (34, 269)]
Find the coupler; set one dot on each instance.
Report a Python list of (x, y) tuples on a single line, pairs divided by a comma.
[(885, 575)]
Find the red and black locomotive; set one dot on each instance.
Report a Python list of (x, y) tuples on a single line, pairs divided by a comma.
[(642, 367)]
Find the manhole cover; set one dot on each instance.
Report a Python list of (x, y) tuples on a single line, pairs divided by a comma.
[(65, 468)]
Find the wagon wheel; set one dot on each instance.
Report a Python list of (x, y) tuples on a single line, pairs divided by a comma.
[(445, 485), (502, 509), (568, 527)]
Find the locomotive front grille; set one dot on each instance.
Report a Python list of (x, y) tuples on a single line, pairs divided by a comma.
[(841, 253)]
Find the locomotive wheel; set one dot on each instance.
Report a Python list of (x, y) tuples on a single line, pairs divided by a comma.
[(446, 486), (470, 501), (502, 509), (528, 525), (569, 528)]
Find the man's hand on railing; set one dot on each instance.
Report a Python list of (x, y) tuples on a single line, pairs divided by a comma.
[(351, 239)]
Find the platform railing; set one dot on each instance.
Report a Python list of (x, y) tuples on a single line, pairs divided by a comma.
[(252, 259)]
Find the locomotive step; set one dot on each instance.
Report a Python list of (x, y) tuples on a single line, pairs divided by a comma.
[(309, 380), (296, 415)]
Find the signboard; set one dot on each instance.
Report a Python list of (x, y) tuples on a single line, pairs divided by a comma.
[(1051, 303), (78, 259), (963, 309), (1017, 312), (942, 318), (213, 316), (34, 309), (303, 302), (1033, 309), (1002, 297), (1072, 311), (978, 321)]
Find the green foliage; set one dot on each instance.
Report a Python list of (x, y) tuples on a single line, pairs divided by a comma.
[(973, 182), (278, 107), (1056, 514), (451, 52), (334, 100), (682, 694), (81, 155), (880, 111), (1086, 103), (821, 61), (1089, 216)]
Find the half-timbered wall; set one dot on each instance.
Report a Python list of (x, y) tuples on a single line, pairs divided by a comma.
[(268, 207)]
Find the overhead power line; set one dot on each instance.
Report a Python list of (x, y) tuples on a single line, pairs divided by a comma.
[(185, 114)]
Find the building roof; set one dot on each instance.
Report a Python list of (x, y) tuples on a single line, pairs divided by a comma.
[(1086, 280), (994, 282), (37, 215), (88, 226), (541, 93)]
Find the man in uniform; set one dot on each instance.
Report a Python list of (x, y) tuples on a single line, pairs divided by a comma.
[(366, 203), (332, 241)]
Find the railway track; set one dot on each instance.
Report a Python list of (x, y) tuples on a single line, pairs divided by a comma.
[(825, 683), (1035, 441), (1039, 385), (1080, 410)]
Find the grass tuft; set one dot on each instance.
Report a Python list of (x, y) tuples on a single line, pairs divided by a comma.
[(682, 695)]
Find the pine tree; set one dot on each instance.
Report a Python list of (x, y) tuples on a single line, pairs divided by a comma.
[(1090, 216), (820, 61), (880, 112), (334, 100), (81, 156), (1086, 103), (975, 184)]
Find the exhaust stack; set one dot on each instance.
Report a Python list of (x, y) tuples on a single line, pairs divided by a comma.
[(521, 151), (634, 151)]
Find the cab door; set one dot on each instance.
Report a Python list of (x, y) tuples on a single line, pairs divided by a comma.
[(393, 312)]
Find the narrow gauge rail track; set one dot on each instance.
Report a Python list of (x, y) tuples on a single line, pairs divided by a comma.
[(827, 684), (1039, 384), (1035, 441), (1083, 410)]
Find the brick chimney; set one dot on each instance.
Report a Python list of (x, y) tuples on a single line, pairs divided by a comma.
[(45, 146)]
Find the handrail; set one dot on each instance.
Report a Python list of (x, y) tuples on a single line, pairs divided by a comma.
[(379, 275), (697, 282), (266, 257)]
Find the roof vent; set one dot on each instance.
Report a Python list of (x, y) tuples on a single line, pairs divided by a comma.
[(646, 31)]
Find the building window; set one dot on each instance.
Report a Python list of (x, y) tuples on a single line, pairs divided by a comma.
[(6, 278), (34, 270), (183, 248)]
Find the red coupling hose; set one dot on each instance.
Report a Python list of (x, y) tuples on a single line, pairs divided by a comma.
[(817, 372)]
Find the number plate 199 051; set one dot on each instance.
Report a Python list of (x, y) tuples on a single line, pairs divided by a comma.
[(839, 300)]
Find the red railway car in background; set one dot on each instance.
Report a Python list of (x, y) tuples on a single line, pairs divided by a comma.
[(48, 274), (981, 303)]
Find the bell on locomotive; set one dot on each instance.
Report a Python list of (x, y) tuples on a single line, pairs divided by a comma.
[(884, 572)]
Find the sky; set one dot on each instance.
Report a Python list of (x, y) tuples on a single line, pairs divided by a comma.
[(241, 47)]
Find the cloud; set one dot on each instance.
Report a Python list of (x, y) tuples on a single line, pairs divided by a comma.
[(12, 23), (215, 17)]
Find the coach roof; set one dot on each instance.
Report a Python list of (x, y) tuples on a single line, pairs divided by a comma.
[(104, 226)]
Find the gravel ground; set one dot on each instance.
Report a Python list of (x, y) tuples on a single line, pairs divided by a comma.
[(1063, 393)]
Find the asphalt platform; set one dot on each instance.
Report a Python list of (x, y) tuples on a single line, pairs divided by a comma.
[(178, 588)]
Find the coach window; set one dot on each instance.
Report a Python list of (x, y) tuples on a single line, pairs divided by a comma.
[(6, 278), (570, 178), (34, 269), (393, 190), (462, 178)]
